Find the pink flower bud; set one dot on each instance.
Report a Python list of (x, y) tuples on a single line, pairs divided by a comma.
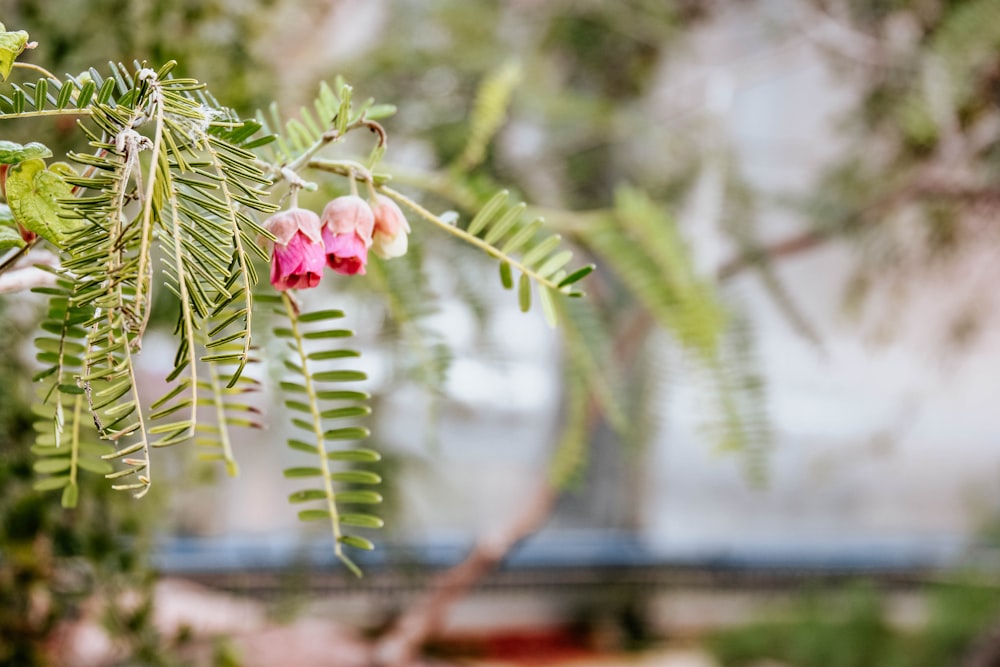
[(391, 229), (298, 256), (348, 223)]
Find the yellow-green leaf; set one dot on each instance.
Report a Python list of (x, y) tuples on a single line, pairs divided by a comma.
[(12, 153), (50, 483), (51, 466), (11, 46), (524, 293), (10, 238), (33, 193), (70, 495)]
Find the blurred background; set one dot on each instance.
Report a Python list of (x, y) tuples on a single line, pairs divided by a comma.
[(766, 438)]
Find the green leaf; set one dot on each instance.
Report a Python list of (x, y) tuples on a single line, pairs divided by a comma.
[(10, 238), (321, 315), (70, 495), (356, 497), (314, 515), (303, 446), (306, 495), (95, 465), (356, 477), (360, 455), (303, 472), (545, 296), (51, 483), (506, 278), (55, 465), (33, 193), (348, 433), (487, 212), (576, 276), (380, 111), (342, 395), (340, 376), (361, 520), (12, 153), (524, 293), (343, 413), (332, 333), (11, 46), (356, 542)]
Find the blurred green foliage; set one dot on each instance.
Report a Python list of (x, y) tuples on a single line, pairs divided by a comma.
[(849, 628), (52, 561)]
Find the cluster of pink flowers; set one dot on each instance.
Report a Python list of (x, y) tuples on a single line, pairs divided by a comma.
[(341, 239)]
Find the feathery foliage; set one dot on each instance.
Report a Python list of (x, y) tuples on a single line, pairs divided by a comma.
[(294, 141), (189, 206), (489, 113), (500, 231), (167, 194), (310, 392), (408, 299)]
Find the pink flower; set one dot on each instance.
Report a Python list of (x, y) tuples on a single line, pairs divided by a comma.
[(348, 223), (391, 229), (298, 257)]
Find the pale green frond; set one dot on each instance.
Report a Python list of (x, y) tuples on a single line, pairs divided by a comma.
[(324, 410), (294, 141), (659, 272), (403, 286), (740, 420), (488, 113), (502, 232)]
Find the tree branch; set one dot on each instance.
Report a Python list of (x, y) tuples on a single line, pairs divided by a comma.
[(25, 278), (804, 241), (399, 646)]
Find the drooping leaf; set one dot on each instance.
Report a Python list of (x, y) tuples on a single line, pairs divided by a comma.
[(12, 153), (33, 193), (10, 238), (11, 46)]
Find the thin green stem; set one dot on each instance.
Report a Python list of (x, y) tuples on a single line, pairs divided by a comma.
[(438, 183), (317, 421), (327, 137), (36, 68), (47, 112), (74, 452), (232, 469), (244, 268), (146, 231), (185, 305), (349, 168), (144, 480)]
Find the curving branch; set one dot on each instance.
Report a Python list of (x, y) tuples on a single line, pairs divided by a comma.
[(400, 645), (23, 278)]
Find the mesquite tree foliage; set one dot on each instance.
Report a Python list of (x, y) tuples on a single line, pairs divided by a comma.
[(174, 192)]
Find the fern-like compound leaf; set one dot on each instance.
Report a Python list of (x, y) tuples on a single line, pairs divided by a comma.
[(502, 231), (324, 411)]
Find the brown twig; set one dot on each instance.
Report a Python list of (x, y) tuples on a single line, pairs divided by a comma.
[(422, 620), (399, 646), (808, 240)]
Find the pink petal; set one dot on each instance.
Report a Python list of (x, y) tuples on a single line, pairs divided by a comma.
[(349, 214), (389, 218), (286, 224), (345, 253), (298, 264)]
